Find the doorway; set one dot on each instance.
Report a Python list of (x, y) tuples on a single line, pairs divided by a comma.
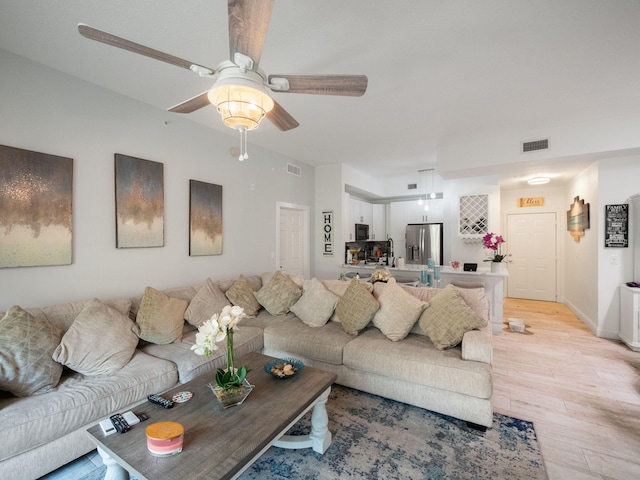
[(292, 238), (532, 256)]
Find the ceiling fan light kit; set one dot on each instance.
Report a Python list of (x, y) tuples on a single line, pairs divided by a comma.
[(240, 101), (241, 92)]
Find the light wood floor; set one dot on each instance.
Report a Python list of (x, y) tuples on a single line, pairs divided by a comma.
[(581, 392)]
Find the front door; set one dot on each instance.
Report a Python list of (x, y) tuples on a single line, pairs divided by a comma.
[(293, 249), (531, 240)]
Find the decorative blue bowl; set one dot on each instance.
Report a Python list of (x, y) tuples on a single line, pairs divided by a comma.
[(278, 368)]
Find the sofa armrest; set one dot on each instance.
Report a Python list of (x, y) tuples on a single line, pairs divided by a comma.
[(477, 345)]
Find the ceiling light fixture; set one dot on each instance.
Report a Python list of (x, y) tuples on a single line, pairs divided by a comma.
[(538, 181), (242, 101)]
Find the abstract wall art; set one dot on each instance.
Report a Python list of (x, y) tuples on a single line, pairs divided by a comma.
[(35, 208), (139, 202), (205, 218)]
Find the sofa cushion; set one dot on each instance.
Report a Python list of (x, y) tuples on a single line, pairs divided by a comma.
[(356, 308), (297, 339), (245, 339), (79, 402), (316, 305), (205, 303), (241, 294), (26, 346), (100, 341), (416, 360), (398, 311), (279, 294), (160, 317), (448, 317), (64, 314)]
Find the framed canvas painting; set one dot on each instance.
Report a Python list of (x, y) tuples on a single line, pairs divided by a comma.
[(205, 218), (35, 208), (139, 202)]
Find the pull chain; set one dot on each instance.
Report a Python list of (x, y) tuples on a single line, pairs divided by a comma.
[(243, 144)]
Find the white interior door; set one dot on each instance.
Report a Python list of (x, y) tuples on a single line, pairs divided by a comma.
[(292, 238), (531, 240)]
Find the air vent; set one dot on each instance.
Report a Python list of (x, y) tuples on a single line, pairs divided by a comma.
[(412, 186), (535, 145), (294, 170)]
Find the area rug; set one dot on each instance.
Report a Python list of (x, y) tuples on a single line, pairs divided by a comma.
[(377, 438)]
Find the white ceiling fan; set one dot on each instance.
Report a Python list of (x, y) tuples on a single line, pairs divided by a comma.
[(241, 90)]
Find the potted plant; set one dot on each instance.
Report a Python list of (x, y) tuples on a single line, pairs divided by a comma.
[(494, 243), (231, 386)]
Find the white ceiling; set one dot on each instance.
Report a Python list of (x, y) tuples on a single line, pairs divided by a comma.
[(440, 71)]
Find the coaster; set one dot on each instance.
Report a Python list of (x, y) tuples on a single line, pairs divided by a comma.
[(182, 397)]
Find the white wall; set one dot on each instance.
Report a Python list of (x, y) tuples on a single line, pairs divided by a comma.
[(46, 111), (592, 282), (618, 179)]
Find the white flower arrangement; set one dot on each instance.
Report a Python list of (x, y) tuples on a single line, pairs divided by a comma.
[(214, 330)]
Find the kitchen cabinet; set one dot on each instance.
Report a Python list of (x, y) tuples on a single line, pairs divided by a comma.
[(360, 211), (378, 230), (347, 224)]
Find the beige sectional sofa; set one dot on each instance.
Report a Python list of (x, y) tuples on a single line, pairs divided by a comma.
[(48, 430)]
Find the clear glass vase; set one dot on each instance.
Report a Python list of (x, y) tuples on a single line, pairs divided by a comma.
[(231, 397)]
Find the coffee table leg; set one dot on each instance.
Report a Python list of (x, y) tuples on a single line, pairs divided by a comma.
[(320, 437), (114, 471), (320, 434)]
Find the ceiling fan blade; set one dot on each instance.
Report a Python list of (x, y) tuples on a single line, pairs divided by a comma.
[(193, 104), (248, 24), (115, 41), (281, 118), (343, 85)]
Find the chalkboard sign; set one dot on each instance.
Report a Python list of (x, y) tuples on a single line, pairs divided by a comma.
[(616, 222)]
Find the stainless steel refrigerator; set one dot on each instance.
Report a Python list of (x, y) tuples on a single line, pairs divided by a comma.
[(424, 241)]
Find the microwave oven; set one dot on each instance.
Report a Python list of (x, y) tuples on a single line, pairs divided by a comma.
[(362, 231)]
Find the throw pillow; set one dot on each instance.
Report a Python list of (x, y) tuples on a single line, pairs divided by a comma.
[(160, 317), (205, 303), (26, 346), (100, 341), (279, 294), (241, 294), (448, 318), (398, 311), (356, 308), (294, 277), (316, 305)]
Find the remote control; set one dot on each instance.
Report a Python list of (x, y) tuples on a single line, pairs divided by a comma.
[(142, 416), (120, 423), (107, 427), (158, 400), (130, 418)]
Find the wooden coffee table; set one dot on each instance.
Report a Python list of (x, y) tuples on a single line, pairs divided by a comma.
[(222, 443)]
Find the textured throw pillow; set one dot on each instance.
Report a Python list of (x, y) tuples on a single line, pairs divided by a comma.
[(26, 346), (205, 303), (279, 294), (398, 311), (241, 294), (100, 341), (448, 318), (316, 305), (356, 308), (160, 318)]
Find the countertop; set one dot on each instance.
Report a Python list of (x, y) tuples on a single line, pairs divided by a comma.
[(444, 270)]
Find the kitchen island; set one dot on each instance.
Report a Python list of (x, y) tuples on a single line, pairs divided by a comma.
[(493, 283)]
